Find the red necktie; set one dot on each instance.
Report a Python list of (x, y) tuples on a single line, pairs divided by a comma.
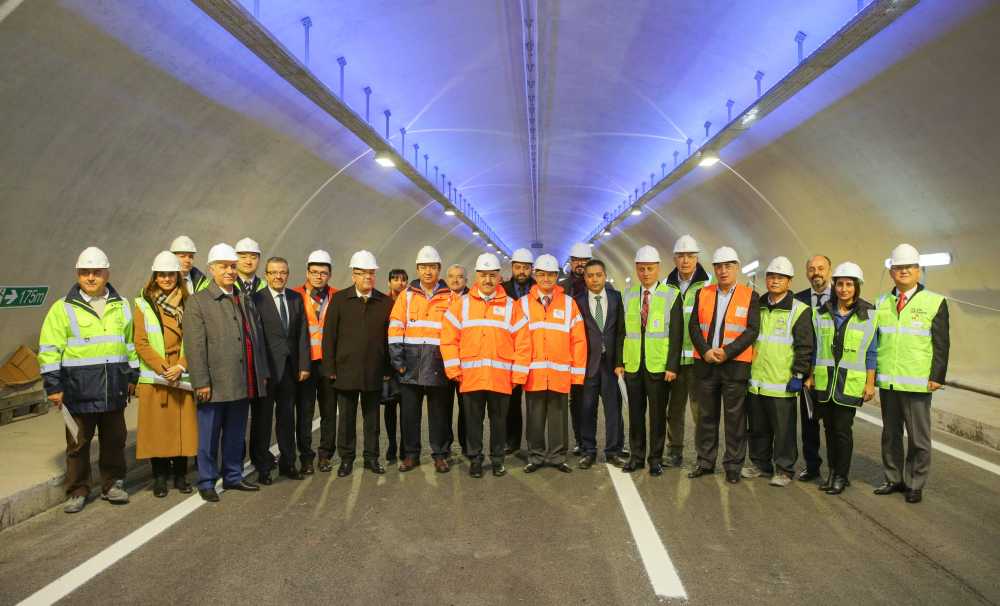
[(900, 303), (644, 313)]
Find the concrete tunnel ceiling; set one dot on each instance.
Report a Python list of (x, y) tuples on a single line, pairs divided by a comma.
[(177, 113)]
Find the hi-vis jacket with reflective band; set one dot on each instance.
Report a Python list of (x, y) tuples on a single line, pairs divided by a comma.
[(486, 343), (558, 342), (735, 323), (316, 318), (198, 279), (774, 350), (657, 340), (698, 280), (256, 284), (154, 332), (905, 349), (415, 334), (840, 371), (89, 358)]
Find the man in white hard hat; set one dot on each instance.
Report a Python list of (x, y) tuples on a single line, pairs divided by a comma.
[(913, 347), (415, 353), (192, 277), (316, 294), (247, 280), (356, 359), (723, 327), (574, 285), (782, 358), (816, 296), (651, 355), (89, 365), (227, 362), (521, 266), (686, 278), (457, 279), (486, 348)]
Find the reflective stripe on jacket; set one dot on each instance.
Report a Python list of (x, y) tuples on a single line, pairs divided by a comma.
[(316, 318), (415, 334), (558, 342)]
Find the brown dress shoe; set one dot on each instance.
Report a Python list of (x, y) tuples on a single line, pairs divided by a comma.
[(407, 464), (441, 466)]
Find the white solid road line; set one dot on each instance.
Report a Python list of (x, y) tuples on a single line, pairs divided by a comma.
[(655, 558), (72, 580), (948, 450)]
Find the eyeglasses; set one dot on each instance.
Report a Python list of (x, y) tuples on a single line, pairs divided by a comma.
[(319, 274), (277, 273)]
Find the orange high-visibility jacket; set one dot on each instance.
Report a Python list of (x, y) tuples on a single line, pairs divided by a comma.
[(316, 317), (486, 343), (735, 322), (558, 342), (415, 334)]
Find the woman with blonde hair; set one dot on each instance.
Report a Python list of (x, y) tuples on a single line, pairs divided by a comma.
[(168, 421)]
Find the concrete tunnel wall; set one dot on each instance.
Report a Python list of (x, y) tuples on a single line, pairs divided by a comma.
[(102, 147)]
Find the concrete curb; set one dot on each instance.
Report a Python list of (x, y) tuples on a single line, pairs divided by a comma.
[(955, 424)]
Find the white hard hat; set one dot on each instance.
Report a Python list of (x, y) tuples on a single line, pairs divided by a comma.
[(522, 255), (581, 250), (92, 258), (487, 262), (546, 263), (904, 254), (647, 254), (686, 244), (319, 257), (222, 252), (781, 265), (183, 244), (725, 254), (849, 270), (166, 261), (248, 245), (428, 254), (363, 260)]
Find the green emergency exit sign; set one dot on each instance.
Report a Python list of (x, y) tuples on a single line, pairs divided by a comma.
[(22, 296)]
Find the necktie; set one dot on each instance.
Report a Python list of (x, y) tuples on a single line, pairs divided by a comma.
[(545, 302), (598, 312), (901, 303), (283, 311), (644, 313)]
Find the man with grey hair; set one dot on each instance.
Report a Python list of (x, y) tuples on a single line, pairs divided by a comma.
[(457, 280)]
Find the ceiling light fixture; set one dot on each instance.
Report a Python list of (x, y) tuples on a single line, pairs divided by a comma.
[(707, 159), (384, 160), (636, 211), (450, 212), (750, 267)]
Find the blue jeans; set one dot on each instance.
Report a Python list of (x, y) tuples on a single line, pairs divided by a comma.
[(228, 421)]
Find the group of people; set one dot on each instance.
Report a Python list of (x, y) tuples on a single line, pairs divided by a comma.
[(536, 354)]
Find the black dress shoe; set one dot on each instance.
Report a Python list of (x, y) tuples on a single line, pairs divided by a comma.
[(160, 486), (807, 475), (563, 468), (209, 494), (325, 465), (837, 485), (244, 485), (531, 467), (345, 469), (476, 469), (182, 485), (617, 461), (374, 467), (576, 451), (264, 478), (697, 472), (586, 462), (914, 496), (307, 468), (888, 487), (732, 476), (633, 465), (656, 469), (827, 483), (499, 470), (292, 474), (625, 455)]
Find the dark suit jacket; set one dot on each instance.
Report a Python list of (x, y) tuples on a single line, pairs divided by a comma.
[(508, 288), (806, 296), (573, 286), (355, 340), (731, 369), (612, 337), (289, 350)]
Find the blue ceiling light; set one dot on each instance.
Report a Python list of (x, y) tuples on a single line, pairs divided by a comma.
[(800, 37), (416, 157), (306, 24), (402, 140), (387, 115), (729, 110), (368, 104), (342, 62), (759, 76)]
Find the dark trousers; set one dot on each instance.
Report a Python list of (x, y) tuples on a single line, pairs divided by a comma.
[(547, 427), (603, 387), (838, 424), (680, 395), (225, 421), (476, 404), (720, 399), (169, 466), (772, 433), (316, 388), (282, 395), (110, 426), (259, 444), (647, 389), (576, 412), (347, 438), (438, 418), (456, 396), (913, 411), (515, 418), (810, 434), (390, 416)]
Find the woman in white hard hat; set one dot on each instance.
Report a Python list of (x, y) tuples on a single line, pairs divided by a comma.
[(844, 372), (168, 421)]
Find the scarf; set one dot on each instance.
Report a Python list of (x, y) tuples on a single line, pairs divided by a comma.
[(169, 303)]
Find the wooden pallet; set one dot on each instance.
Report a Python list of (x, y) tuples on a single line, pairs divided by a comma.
[(23, 403)]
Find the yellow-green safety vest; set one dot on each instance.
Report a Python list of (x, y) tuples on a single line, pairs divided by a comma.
[(842, 382), (905, 351), (154, 332), (657, 341), (773, 352)]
